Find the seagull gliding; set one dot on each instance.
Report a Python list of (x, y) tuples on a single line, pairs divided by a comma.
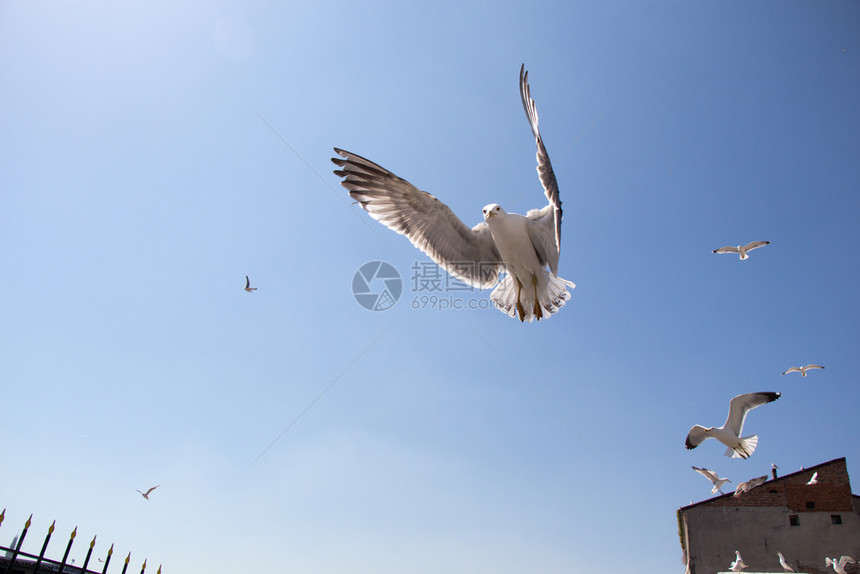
[(730, 433)]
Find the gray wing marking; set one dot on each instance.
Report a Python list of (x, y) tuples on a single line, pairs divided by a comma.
[(468, 254)]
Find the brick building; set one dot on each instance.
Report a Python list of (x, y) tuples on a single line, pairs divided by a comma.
[(805, 522)]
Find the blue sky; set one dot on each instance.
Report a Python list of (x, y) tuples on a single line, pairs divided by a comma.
[(145, 173)]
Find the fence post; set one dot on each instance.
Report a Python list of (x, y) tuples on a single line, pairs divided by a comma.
[(44, 546), (107, 560), (143, 568), (18, 546), (125, 566), (68, 548), (89, 553)]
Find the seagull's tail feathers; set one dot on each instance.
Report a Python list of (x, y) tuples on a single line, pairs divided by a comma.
[(530, 302), (746, 448)]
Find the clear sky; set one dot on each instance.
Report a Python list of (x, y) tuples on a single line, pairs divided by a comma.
[(154, 153)]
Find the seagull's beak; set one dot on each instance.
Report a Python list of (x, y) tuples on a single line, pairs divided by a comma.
[(491, 214)]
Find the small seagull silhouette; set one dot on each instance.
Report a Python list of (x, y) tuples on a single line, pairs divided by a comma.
[(738, 564), (148, 492), (742, 249), (749, 485), (802, 370), (839, 565), (248, 287), (784, 563)]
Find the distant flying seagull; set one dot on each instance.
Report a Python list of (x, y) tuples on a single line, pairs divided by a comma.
[(784, 564), (738, 564), (802, 370), (730, 433), (248, 287), (749, 485), (712, 476), (147, 493), (521, 246), (813, 480), (840, 565), (742, 250)]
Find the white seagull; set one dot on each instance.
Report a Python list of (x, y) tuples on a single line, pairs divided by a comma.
[(749, 485), (712, 476), (839, 566), (248, 287), (785, 565), (813, 480), (738, 564), (742, 250), (802, 370), (730, 433), (148, 492), (521, 246)]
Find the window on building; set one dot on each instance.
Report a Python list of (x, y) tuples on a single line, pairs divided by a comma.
[(793, 520), (835, 519), (810, 504)]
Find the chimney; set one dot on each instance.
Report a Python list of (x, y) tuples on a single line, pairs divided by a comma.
[(773, 468)]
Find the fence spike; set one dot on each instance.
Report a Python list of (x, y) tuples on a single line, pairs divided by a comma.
[(29, 520), (127, 558), (74, 533), (51, 527), (93, 543), (159, 569), (2, 515)]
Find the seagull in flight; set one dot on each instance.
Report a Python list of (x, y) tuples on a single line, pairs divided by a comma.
[(730, 433), (802, 370), (248, 287), (712, 476), (813, 480), (785, 565), (738, 564), (839, 566), (148, 492), (522, 246), (742, 250), (749, 485)]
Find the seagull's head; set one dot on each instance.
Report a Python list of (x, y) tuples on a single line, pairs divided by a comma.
[(492, 210)]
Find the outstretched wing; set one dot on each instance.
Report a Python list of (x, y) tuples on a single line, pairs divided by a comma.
[(709, 474), (247, 282), (695, 437), (148, 492), (755, 245), (741, 405), (792, 370), (728, 249), (550, 216), (468, 254)]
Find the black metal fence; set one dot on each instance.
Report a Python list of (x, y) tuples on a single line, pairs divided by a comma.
[(14, 561)]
